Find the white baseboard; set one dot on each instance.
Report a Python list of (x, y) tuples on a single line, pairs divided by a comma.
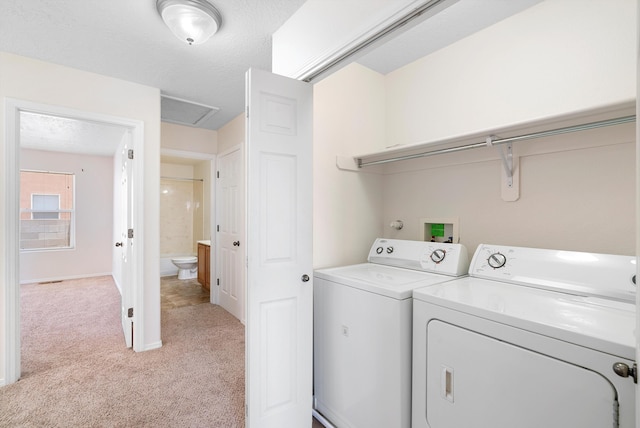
[(152, 346), (64, 278)]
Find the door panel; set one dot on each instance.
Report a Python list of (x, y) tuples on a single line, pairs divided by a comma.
[(231, 230), (279, 251), (476, 380)]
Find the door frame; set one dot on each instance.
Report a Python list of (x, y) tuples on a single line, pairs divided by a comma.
[(13, 107)]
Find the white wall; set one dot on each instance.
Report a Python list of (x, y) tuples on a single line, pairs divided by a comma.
[(94, 218), (555, 58), (349, 117), (45, 83)]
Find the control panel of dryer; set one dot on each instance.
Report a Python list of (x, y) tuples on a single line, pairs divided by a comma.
[(585, 274), (444, 258)]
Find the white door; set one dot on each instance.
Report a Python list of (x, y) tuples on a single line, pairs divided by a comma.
[(279, 251), (230, 242), (125, 243)]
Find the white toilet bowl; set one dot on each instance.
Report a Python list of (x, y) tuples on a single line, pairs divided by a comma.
[(187, 267)]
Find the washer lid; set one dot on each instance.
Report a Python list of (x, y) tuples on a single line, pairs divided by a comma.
[(593, 322), (397, 283)]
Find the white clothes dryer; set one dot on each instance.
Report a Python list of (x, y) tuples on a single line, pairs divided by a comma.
[(362, 331), (531, 338)]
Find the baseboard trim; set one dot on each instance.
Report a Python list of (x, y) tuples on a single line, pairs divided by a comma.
[(64, 278), (152, 346)]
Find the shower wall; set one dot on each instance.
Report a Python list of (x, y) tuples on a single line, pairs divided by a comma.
[(181, 211)]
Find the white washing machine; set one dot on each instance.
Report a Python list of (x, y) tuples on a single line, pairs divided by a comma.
[(362, 331), (531, 338)]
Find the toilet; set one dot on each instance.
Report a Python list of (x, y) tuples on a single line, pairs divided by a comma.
[(187, 267)]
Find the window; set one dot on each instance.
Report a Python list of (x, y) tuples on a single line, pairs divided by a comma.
[(45, 206), (47, 213)]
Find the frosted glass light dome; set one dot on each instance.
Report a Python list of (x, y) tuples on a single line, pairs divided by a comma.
[(192, 21)]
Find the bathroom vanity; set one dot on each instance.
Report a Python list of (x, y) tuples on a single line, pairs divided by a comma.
[(204, 261)]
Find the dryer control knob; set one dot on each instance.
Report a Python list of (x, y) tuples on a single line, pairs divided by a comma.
[(438, 255), (379, 250), (389, 250), (497, 260)]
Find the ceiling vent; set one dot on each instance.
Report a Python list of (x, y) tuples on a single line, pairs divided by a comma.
[(183, 112)]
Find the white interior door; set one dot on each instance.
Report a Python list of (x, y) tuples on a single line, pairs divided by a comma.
[(231, 224), (279, 251), (125, 243)]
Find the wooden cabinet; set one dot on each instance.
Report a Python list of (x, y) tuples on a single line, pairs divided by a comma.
[(204, 265)]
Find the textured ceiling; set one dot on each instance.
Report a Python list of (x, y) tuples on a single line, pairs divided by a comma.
[(127, 39), (68, 135)]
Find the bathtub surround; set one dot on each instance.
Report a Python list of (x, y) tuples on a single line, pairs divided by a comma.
[(181, 216)]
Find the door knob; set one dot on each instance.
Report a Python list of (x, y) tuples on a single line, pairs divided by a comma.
[(118, 244), (236, 243), (305, 278)]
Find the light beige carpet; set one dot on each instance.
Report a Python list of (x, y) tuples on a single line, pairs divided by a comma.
[(77, 373)]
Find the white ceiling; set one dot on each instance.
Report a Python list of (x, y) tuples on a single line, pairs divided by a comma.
[(127, 39), (43, 132)]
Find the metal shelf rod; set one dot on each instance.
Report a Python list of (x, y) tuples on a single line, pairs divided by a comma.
[(565, 130)]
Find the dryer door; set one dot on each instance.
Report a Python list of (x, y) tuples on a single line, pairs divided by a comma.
[(477, 381)]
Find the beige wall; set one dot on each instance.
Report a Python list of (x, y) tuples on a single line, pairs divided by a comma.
[(94, 218), (577, 192), (187, 138), (45, 83), (203, 171), (231, 134)]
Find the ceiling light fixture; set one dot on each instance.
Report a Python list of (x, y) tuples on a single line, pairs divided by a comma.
[(193, 21)]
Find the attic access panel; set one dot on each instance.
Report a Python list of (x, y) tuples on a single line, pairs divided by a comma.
[(183, 112)]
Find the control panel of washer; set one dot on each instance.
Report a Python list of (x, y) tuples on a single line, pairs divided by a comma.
[(448, 259), (586, 274)]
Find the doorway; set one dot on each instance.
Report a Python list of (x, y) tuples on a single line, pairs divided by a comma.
[(14, 114), (185, 219)]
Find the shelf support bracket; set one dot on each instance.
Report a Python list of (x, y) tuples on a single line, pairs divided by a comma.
[(510, 171)]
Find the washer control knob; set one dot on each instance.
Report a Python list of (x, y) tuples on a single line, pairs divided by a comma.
[(438, 255), (379, 250), (497, 260), (389, 250)]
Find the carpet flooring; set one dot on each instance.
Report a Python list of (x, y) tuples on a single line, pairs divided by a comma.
[(76, 371)]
